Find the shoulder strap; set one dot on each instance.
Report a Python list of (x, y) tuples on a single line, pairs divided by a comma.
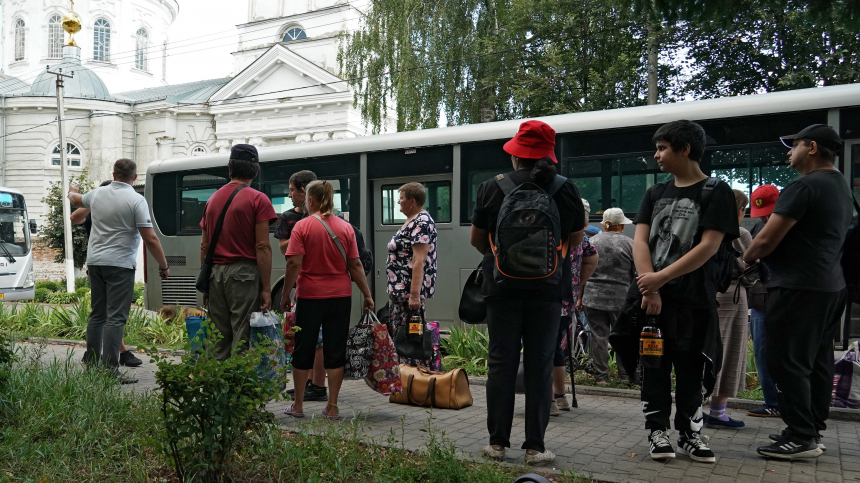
[(856, 206), (334, 238), (708, 191), (505, 184), (217, 232), (556, 185)]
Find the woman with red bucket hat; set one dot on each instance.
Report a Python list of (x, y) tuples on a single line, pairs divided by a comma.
[(523, 223)]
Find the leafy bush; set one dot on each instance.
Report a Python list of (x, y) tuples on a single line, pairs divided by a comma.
[(49, 286), (81, 282), (81, 292), (62, 298), (53, 231), (160, 331), (208, 406), (70, 322), (42, 295), (469, 349), (137, 296)]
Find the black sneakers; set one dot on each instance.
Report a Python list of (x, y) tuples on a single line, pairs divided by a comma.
[(696, 446), (661, 448), (785, 446), (129, 360), (312, 392), (764, 411)]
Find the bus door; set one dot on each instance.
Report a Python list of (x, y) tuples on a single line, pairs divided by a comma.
[(851, 323), (387, 220)]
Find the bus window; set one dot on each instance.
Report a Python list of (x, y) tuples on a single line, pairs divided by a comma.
[(438, 203), (280, 196), (193, 202), (586, 174), (747, 168)]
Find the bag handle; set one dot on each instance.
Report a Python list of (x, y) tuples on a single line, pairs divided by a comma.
[(217, 233), (335, 239)]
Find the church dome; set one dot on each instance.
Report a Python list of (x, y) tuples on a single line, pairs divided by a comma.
[(85, 84)]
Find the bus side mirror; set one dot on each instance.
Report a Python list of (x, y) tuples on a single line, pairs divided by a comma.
[(33, 227)]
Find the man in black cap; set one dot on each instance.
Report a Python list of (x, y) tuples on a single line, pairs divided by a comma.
[(240, 282), (801, 246)]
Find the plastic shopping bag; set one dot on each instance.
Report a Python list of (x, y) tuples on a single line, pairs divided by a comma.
[(266, 326), (846, 379)]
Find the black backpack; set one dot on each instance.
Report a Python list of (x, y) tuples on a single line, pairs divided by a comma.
[(851, 257), (364, 253), (722, 264), (528, 245)]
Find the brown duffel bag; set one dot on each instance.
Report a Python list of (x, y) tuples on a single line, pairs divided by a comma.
[(423, 387)]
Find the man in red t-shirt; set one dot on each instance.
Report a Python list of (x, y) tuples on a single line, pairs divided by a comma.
[(240, 282)]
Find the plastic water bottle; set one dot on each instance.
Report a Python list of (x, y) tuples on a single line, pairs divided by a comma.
[(651, 344)]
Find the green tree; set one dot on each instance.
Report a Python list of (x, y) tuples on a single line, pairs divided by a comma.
[(482, 60), (52, 231)]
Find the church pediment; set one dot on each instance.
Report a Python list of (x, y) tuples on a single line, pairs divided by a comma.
[(280, 73)]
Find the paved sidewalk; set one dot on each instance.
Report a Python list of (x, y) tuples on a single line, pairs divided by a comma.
[(603, 438)]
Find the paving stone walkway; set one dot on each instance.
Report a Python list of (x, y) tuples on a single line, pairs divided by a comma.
[(603, 438)]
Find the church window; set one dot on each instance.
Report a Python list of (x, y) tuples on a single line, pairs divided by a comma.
[(73, 156), (198, 151), (140, 61), (19, 39), (55, 37), (101, 40), (295, 33)]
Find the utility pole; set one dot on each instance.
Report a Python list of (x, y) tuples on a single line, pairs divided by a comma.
[(64, 170)]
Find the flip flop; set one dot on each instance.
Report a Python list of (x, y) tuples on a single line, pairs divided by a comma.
[(289, 411), (335, 417)]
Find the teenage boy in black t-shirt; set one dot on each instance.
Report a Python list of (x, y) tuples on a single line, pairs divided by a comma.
[(315, 389), (677, 236), (805, 300)]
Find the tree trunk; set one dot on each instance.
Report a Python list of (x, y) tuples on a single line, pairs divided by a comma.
[(652, 63)]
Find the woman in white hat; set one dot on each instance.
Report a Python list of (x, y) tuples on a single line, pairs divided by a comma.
[(605, 292)]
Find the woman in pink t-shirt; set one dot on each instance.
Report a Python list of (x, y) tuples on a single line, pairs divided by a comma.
[(321, 269)]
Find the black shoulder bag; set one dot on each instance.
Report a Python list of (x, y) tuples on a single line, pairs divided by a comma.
[(202, 284)]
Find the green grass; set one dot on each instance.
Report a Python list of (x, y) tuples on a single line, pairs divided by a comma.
[(59, 422), (69, 322)]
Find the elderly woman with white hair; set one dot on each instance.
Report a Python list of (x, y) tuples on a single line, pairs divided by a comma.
[(605, 292)]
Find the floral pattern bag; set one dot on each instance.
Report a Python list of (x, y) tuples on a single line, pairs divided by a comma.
[(384, 374), (359, 349)]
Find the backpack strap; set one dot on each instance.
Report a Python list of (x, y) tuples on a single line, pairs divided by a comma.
[(556, 185), (708, 191), (505, 184)]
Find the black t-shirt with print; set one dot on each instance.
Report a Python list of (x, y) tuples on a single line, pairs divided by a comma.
[(485, 215), (677, 222), (820, 202), (286, 222)]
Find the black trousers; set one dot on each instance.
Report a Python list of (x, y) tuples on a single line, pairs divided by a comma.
[(530, 325), (657, 390), (799, 328)]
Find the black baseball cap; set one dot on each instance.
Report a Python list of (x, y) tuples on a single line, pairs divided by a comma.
[(244, 152), (822, 134)]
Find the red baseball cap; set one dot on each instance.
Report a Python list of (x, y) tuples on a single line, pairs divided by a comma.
[(534, 140), (763, 200)]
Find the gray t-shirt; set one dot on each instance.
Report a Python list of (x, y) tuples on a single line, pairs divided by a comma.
[(607, 287), (117, 213)]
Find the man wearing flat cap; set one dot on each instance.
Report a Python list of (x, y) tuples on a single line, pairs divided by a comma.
[(801, 246), (240, 281)]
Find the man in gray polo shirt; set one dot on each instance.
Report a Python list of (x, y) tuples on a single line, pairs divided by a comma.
[(120, 219)]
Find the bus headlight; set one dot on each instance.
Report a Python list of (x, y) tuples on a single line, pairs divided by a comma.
[(30, 280)]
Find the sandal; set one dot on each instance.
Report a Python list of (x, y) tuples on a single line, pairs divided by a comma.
[(331, 417), (289, 411)]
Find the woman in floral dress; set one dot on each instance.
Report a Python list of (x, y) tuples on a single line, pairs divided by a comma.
[(411, 266)]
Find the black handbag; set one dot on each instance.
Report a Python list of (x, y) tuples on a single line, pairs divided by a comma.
[(413, 342), (202, 284), (473, 305)]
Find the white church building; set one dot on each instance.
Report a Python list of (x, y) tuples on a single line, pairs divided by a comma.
[(285, 87)]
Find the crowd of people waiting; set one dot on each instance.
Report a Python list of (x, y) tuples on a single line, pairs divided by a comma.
[(668, 272)]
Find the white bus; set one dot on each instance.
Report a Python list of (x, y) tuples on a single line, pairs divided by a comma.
[(17, 277)]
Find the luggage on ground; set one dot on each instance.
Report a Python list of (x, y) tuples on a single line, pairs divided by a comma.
[(423, 387)]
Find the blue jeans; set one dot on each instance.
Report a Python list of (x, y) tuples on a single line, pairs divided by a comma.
[(757, 330)]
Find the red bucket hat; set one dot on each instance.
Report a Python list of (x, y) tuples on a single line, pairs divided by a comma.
[(534, 140), (763, 200)]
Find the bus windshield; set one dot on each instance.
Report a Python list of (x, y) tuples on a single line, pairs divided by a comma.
[(14, 234)]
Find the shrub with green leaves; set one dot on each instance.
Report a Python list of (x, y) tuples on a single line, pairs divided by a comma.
[(208, 407), (81, 282), (81, 292), (48, 285), (62, 298), (42, 295), (138, 291), (468, 349)]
